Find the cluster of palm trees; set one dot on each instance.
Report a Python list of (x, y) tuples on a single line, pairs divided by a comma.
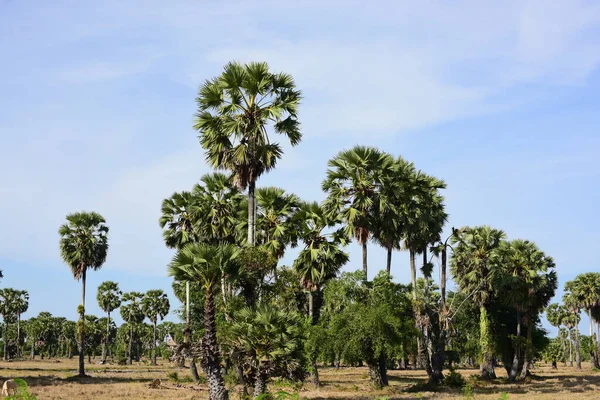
[(13, 303)]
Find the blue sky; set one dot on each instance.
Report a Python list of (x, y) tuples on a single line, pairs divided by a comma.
[(500, 99)]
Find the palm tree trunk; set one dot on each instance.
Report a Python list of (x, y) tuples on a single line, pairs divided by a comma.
[(251, 212), (19, 335), (82, 328), (577, 349), (311, 315), (514, 370), (211, 360), (130, 346), (528, 347), (105, 344), (443, 279), (314, 373), (154, 345), (5, 339), (32, 354), (389, 260), (364, 259), (413, 274), (570, 349), (486, 369), (413, 278), (194, 370), (260, 384)]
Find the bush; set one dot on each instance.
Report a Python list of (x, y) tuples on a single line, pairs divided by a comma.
[(454, 379), (174, 376)]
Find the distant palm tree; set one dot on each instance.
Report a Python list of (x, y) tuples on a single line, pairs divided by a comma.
[(8, 303), (235, 112), (83, 246), (205, 265), (155, 305), (555, 314), (529, 281), (131, 312), (571, 321), (353, 186), (109, 299), (473, 270), (21, 306)]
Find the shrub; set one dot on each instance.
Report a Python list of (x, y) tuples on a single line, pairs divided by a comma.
[(174, 376), (454, 379), (467, 391)]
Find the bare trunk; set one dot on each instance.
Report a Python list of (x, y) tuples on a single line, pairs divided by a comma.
[(211, 360), (577, 349), (311, 315), (194, 370), (443, 279), (82, 327), (5, 339), (251, 212), (570, 349), (260, 384), (486, 368), (527, 359), (105, 344), (389, 260), (514, 370), (413, 277), (130, 346), (19, 335), (364, 259), (154, 345)]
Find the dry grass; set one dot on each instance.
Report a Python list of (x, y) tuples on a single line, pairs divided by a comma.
[(53, 380)]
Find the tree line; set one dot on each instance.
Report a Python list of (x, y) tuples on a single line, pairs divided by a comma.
[(248, 318)]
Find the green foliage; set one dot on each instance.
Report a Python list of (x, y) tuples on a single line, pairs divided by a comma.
[(280, 395), (22, 391), (454, 379), (503, 396), (467, 391)]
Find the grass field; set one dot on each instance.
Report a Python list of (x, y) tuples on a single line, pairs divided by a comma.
[(52, 379)]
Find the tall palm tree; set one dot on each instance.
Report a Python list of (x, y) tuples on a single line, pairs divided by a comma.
[(155, 305), (205, 265), (83, 246), (472, 269), (585, 292), (529, 281), (131, 312), (571, 321), (21, 306), (8, 304), (353, 186), (555, 314), (235, 113), (109, 299)]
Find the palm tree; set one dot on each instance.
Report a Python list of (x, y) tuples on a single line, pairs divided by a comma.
[(235, 112), (21, 306), (353, 186), (205, 265), (8, 303), (571, 321), (109, 299), (271, 337), (83, 246), (585, 292), (529, 282), (131, 312), (321, 258), (555, 314), (155, 305), (473, 270)]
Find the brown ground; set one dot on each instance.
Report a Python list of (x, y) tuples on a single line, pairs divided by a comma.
[(51, 380)]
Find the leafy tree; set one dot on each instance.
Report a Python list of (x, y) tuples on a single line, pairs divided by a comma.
[(353, 186), (205, 265), (155, 305), (83, 246), (235, 112), (131, 312), (21, 305), (109, 299), (473, 270), (556, 314), (8, 304)]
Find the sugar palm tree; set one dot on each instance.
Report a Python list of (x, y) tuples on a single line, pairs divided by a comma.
[(555, 314), (353, 186), (21, 305), (205, 265), (155, 306), (585, 293), (83, 246), (131, 312), (109, 299), (571, 321), (271, 337), (529, 281), (472, 269), (236, 111), (8, 304)]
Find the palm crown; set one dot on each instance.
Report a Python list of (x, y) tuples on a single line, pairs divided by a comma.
[(109, 296), (155, 305)]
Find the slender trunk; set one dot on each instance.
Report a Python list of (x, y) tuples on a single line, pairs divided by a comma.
[(32, 354), (564, 348), (251, 211), (364, 259), (5, 339), (413, 277), (211, 360), (130, 345), (570, 348), (82, 327), (486, 368), (105, 344), (577, 349), (413, 274), (194, 370), (311, 315), (314, 373), (187, 303), (389, 260), (154, 345), (528, 347), (19, 335), (443, 278), (514, 370)]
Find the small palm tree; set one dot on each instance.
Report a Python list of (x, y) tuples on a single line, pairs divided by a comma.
[(83, 246), (109, 299), (353, 186), (571, 321), (155, 305), (272, 338), (555, 314), (235, 113), (205, 265), (131, 312), (473, 270)]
